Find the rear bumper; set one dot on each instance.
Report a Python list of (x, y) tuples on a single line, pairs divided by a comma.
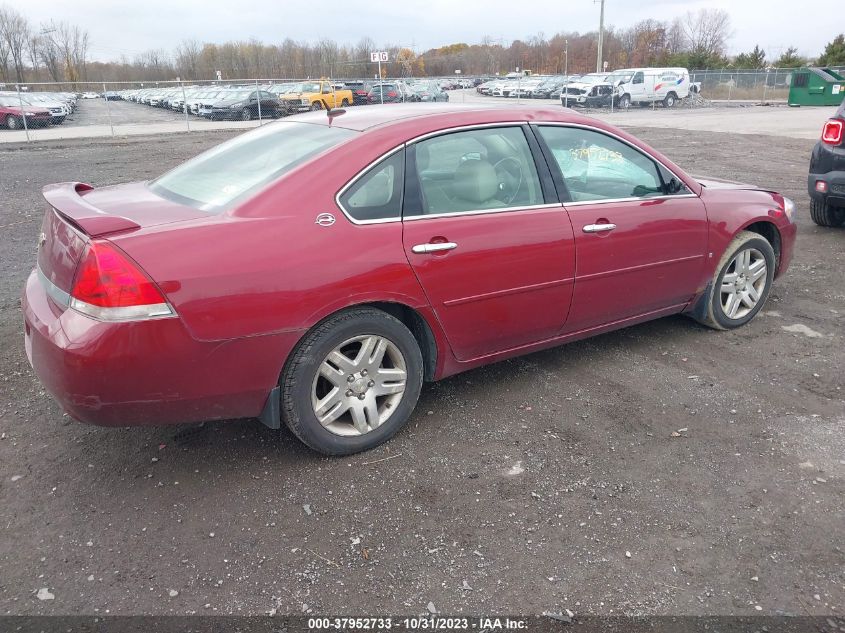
[(146, 373), (835, 182)]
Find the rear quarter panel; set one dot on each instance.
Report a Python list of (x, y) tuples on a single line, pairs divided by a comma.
[(269, 267)]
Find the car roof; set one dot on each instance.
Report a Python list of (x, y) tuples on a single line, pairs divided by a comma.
[(437, 116)]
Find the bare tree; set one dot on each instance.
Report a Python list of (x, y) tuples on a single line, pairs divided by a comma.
[(48, 52), (707, 31), (71, 43), (15, 32), (188, 58)]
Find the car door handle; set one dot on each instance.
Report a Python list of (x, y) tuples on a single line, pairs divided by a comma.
[(598, 228), (421, 249)]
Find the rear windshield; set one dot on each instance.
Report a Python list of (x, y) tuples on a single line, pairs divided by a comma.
[(231, 172)]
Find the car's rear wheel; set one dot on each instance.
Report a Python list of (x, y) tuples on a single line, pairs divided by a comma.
[(825, 215), (13, 122), (344, 103), (352, 382), (742, 283), (670, 100), (246, 114)]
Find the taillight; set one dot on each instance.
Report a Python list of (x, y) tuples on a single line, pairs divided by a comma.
[(110, 287), (391, 94), (832, 132)]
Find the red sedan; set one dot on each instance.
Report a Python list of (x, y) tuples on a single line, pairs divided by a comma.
[(316, 271)]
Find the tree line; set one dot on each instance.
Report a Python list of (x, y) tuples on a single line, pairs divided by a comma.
[(698, 40)]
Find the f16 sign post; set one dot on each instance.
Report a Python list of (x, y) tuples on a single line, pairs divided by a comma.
[(379, 57)]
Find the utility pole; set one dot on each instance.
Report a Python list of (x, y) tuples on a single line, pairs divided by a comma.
[(599, 60)]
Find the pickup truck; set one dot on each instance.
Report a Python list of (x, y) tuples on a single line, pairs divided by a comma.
[(315, 95)]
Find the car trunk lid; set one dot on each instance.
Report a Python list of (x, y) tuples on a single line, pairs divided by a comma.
[(78, 213)]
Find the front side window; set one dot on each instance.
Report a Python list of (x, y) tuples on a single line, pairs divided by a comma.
[(595, 166), (377, 195), (476, 170), (638, 78), (236, 169)]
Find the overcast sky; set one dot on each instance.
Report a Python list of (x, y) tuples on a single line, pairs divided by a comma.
[(128, 27)]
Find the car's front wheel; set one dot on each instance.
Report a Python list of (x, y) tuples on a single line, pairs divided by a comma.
[(742, 283), (13, 122), (246, 114), (825, 215), (352, 382), (625, 101)]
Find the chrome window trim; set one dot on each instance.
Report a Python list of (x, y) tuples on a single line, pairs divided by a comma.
[(592, 128), (460, 214), (472, 126), (581, 203), (405, 145)]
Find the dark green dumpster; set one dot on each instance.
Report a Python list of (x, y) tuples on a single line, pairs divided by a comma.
[(816, 87)]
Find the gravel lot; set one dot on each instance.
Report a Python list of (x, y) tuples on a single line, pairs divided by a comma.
[(662, 469)]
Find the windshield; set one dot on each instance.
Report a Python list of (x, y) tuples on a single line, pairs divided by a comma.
[(592, 79), (228, 173), (305, 87), (11, 102), (235, 95), (615, 78)]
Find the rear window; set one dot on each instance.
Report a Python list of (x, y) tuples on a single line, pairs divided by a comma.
[(231, 172)]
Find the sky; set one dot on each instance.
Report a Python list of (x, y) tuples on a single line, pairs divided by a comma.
[(120, 27)]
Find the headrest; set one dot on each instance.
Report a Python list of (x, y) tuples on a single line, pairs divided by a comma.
[(475, 181)]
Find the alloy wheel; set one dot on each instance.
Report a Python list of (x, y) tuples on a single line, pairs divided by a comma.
[(743, 283), (359, 385)]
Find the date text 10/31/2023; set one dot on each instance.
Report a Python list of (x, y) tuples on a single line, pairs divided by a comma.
[(418, 624)]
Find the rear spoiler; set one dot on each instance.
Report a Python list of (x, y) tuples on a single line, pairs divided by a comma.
[(68, 201)]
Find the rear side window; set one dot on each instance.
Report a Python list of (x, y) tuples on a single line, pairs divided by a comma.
[(237, 169), (377, 195), (483, 169)]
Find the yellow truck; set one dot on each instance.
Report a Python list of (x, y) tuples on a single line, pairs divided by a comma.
[(314, 95)]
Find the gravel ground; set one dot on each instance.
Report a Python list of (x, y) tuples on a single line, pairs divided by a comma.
[(661, 469)]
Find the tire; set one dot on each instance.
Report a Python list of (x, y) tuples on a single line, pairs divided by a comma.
[(625, 102), (713, 313), (344, 103), (670, 100), (825, 215), (317, 105), (303, 385), (13, 122), (246, 114)]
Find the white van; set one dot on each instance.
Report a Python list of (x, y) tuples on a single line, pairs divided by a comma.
[(648, 85)]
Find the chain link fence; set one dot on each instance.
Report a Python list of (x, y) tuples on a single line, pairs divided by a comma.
[(760, 86), (42, 111)]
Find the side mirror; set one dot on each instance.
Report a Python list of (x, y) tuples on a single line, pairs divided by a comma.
[(674, 186)]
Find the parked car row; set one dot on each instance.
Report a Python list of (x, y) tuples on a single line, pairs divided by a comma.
[(35, 109), (623, 88), (246, 102)]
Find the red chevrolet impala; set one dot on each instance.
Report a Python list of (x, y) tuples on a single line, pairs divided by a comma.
[(316, 271)]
